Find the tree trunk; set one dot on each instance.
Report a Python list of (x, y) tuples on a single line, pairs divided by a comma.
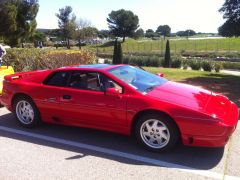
[(79, 43), (124, 38), (68, 44)]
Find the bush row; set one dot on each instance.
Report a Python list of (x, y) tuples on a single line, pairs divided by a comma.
[(32, 59), (208, 65), (153, 61), (195, 64), (205, 65)]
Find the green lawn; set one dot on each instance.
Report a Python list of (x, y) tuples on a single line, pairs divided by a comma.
[(177, 46), (228, 85)]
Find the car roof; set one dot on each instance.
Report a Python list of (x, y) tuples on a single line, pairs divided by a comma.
[(95, 66), (98, 67)]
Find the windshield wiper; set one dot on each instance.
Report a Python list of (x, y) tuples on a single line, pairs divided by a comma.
[(150, 88)]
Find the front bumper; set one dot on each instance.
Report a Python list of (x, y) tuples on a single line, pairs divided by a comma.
[(211, 134), (209, 141)]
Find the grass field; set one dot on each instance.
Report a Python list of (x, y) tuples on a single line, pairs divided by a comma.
[(225, 45), (228, 85)]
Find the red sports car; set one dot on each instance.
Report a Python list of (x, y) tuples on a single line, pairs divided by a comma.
[(122, 99)]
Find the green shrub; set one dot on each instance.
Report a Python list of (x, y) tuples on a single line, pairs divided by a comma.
[(32, 59), (152, 61), (218, 66), (49, 44), (195, 64), (176, 63), (185, 63), (207, 66), (231, 65)]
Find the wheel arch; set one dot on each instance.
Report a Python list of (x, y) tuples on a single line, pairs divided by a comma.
[(17, 95), (152, 111)]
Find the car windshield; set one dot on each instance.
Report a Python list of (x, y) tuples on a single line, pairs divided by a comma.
[(139, 79)]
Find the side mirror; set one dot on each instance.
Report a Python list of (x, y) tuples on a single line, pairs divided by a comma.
[(112, 92), (160, 74)]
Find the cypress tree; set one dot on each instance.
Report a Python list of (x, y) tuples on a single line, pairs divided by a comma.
[(167, 60), (117, 53), (120, 54), (114, 61)]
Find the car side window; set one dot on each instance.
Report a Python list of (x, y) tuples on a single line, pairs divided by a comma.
[(57, 79), (86, 80)]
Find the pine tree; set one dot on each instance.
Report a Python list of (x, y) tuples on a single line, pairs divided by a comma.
[(18, 20), (167, 60)]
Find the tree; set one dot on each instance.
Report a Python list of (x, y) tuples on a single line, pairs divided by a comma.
[(231, 12), (66, 22), (139, 33), (80, 25), (117, 53), (88, 33), (188, 32), (104, 34), (122, 23), (18, 20), (150, 33), (229, 29), (38, 36), (167, 60), (164, 30)]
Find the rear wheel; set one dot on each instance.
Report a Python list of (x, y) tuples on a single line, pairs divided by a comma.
[(26, 112), (156, 132)]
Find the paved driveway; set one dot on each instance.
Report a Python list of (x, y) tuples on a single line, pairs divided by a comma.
[(57, 152)]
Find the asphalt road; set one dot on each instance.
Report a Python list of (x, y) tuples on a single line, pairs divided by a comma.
[(57, 152)]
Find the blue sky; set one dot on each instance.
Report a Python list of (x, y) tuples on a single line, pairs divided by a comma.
[(199, 15)]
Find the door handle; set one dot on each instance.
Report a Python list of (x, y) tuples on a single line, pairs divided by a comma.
[(67, 97)]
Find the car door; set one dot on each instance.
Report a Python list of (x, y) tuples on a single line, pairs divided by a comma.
[(48, 96), (84, 102)]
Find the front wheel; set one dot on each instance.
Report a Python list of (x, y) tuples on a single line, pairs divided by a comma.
[(26, 112), (156, 133)]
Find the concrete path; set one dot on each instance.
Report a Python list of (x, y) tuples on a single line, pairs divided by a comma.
[(236, 73), (57, 152)]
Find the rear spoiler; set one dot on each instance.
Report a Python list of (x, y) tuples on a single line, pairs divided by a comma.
[(18, 75)]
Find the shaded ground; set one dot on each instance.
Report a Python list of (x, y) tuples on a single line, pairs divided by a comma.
[(228, 85)]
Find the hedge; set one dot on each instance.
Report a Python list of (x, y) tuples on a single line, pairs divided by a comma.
[(32, 59)]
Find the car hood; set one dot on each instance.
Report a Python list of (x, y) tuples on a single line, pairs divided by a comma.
[(192, 97), (182, 94)]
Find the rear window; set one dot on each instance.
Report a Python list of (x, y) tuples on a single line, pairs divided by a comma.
[(57, 79)]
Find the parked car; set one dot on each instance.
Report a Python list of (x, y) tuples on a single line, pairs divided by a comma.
[(122, 99)]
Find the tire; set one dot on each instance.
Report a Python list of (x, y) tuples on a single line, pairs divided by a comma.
[(156, 132), (26, 112)]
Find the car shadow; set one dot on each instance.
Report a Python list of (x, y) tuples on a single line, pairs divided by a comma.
[(189, 157)]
